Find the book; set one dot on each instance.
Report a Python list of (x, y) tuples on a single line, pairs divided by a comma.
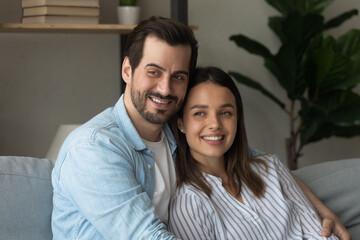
[(74, 3), (57, 10), (54, 19)]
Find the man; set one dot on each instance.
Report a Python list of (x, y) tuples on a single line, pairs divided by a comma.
[(114, 175)]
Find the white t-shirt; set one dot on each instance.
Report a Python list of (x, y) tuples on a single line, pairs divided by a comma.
[(165, 177)]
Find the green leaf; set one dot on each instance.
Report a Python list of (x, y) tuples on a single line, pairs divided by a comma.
[(342, 108), (337, 21), (255, 85), (349, 44), (316, 6), (328, 130), (308, 133), (276, 24), (298, 30), (251, 46), (300, 6), (128, 2), (323, 60), (340, 68), (283, 6), (286, 69)]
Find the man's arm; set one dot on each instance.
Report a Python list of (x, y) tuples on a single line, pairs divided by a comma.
[(102, 185), (330, 222)]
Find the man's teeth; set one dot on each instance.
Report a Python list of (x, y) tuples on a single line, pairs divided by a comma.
[(213, 138), (160, 101)]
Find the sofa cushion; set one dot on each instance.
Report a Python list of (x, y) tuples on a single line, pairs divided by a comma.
[(336, 183), (25, 198)]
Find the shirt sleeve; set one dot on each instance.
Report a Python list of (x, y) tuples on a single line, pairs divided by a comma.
[(190, 218), (102, 185), (310, 221)]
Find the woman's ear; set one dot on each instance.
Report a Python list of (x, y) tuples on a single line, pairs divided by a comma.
[(126, 70), (180, 125)]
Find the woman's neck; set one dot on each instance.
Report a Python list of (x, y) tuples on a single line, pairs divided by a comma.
[(217, 169)]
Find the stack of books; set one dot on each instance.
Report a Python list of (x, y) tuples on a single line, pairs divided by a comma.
[(61, 11)]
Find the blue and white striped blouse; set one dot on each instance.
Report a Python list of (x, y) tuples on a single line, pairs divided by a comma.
[(283, 213)]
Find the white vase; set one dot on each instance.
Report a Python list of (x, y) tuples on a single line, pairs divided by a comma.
[(128, 15)]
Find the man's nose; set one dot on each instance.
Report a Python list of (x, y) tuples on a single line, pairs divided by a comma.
[(164, 86)]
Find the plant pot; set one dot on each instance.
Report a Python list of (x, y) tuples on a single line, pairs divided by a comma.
[(129, 15)]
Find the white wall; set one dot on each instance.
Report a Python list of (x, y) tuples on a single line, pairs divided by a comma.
[(49, 79), (267, 125)]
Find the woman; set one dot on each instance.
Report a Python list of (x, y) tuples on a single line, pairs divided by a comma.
[(222, 193)]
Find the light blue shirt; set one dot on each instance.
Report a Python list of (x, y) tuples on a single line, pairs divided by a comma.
[(283, 213), (103, 182)]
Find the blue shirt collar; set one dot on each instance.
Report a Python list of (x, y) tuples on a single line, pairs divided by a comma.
[(129, 130)]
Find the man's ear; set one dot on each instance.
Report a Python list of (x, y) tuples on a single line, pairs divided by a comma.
[(126, 70), (180, 125)]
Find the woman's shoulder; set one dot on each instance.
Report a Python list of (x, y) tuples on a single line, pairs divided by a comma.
[(187, 190), (271, 161)]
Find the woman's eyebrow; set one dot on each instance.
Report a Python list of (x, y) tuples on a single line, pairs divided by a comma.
[(227, 105), (199, 106)]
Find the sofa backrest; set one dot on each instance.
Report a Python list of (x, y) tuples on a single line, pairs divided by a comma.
[(336, 183), (25, 198), (26, 194)]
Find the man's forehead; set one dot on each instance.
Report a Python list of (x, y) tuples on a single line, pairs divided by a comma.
[(158, 51)]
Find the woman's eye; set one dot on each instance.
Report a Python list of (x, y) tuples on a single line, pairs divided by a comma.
[(198, 114), (226, 113)]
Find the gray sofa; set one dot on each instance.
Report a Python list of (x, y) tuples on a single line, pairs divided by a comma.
[(26, 194)]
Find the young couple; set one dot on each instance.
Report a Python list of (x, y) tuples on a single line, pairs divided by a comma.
[(115, 176)]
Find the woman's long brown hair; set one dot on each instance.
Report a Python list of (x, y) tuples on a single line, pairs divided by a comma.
[(237, 160)]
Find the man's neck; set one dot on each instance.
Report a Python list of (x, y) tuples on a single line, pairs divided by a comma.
[(149, 131)]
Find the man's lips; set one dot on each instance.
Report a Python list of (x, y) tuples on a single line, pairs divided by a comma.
[(160, 101)]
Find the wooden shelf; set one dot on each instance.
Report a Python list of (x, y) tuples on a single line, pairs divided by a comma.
[(65, 28)]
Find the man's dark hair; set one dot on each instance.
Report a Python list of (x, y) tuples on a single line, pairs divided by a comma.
[(172, 32)]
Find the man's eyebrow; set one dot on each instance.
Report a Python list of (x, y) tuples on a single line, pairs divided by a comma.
[(163, 69), (181, 72), (155, 65)]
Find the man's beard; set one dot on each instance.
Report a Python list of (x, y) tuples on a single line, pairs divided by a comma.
[(160, 116)]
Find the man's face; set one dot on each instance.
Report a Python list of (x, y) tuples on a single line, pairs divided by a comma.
[(158, 85)]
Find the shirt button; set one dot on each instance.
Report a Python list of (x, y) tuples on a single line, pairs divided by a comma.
[(256, 217), (149, 166)]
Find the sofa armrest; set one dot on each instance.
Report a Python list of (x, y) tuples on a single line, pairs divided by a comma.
[(336, 183), (25, 198)]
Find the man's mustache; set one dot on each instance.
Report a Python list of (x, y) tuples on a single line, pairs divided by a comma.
[(158, 95)]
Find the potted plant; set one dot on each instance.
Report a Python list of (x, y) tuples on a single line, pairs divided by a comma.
[(317, 71), (128, 12)]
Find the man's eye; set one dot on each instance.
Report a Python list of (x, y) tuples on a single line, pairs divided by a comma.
[(179, 77), (153, 73)]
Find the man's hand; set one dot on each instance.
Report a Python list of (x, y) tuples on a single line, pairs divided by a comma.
[(332, 224)]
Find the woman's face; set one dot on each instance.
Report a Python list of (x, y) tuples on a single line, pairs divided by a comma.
[(209, 121)]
